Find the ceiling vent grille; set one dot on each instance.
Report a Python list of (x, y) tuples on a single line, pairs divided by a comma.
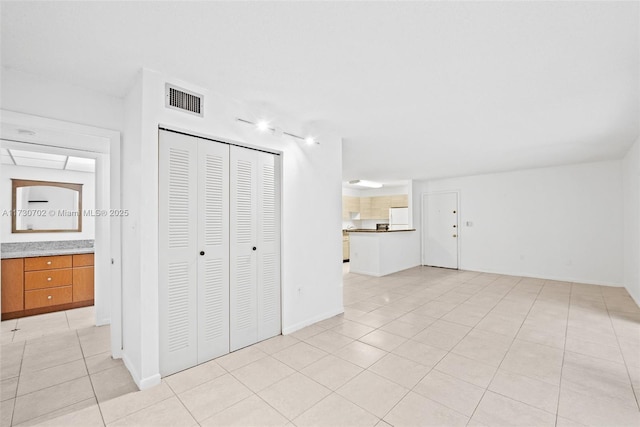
[(183, 100)]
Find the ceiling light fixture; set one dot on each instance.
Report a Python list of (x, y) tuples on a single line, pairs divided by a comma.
[(264, 126), (364, 183)]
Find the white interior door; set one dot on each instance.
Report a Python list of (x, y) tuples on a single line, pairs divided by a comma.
[(243, 247), (213, 247), (219, 249), (254, 247), (268, 248), (178, 240), (440, 229)]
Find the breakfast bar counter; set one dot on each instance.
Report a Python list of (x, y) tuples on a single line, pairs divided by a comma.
[(381, 252)]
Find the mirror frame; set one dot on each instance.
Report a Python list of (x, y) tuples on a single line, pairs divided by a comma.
[(17, 183)]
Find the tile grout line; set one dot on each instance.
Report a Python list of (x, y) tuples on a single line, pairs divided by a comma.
[(93, 389), (177, 396), (508, 349), (564, 352), (410, 390), (15, 400), (45, 388), (624, 359)]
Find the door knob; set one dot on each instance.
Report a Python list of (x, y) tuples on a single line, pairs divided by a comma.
[(254, 248), (455, 235), (201, 252)]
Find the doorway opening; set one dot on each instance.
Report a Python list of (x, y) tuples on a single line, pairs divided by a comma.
[(86, 145)]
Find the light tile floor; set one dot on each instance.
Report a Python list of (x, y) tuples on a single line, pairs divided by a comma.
[(56, 368), (425, 346)]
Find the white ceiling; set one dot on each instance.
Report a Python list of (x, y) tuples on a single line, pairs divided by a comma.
[(37, 159), (417, 89)]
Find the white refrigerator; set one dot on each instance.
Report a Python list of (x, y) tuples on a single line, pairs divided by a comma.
[(398, 218)]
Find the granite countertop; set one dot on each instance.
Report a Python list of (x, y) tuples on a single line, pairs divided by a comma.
[(368, 230), (36, 249)]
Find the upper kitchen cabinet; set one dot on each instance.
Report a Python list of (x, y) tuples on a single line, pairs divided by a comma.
[(400, 201), (350, 207), (376, 207), (380, 207)]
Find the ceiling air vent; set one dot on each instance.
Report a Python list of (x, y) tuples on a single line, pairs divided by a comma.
[(183, 100)]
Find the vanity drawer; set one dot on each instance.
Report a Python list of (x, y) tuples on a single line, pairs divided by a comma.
[(47, 297), (82, 260), (47, 262), (48, 278)]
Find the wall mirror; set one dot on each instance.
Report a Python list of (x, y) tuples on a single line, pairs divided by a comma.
[(46, 207)]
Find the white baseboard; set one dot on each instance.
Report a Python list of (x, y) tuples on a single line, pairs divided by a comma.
[(538, 276), (290, 329), (142, 383), (104, 321)]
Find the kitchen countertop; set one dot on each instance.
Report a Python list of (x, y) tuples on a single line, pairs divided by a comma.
[(52, 248), (368, 230)]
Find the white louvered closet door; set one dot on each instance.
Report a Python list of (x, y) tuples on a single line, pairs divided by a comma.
[(254, 247), (213, 244), (177, 244), (243, 248), (268, 217)]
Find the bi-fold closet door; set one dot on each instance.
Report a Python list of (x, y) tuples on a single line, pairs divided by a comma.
[(219, 284)]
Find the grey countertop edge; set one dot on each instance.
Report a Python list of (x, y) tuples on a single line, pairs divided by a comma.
[(52, 252), (378, 231)]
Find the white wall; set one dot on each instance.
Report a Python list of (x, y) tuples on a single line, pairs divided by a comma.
[(311, 205), (32, 94), (561, 223), (631, 195), (41, 174)]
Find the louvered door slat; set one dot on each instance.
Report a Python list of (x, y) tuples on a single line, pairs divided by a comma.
[(268, 263), (177, 242), (243, 274), (213, 241)]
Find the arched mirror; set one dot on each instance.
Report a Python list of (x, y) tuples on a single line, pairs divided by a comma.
[(46, 207)]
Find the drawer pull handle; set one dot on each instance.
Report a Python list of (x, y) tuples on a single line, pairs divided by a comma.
[(49, 297), (48, 262), (48, 279)]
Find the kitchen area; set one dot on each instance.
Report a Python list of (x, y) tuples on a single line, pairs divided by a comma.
[(376, 225)]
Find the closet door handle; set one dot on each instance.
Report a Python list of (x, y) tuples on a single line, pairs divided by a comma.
[(202, 253), (254, 248)]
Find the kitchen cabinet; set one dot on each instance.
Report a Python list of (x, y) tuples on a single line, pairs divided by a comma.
[(376, 207), (345, 247), (350, 207), (366, 211), (380, 207), (38, 285), (400, 201)]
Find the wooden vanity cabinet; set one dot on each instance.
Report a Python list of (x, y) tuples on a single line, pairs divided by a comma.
[(12, 285), (83, 277), (44, 284)]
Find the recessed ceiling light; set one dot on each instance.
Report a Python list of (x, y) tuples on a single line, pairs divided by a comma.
[(262, 125), (310, 140), (364, 183), (26, 132)]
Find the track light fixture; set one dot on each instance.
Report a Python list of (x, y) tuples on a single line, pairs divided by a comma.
[(265, 126)]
